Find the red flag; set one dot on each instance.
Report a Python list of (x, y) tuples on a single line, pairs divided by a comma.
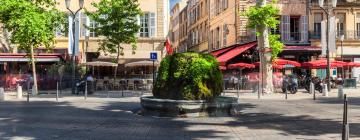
[(168, 48)]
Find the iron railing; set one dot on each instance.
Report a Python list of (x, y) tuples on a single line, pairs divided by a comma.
[(348, 34)]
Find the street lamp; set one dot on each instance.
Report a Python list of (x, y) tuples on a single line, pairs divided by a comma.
[(327, 12), (73, 15), (342, 59)]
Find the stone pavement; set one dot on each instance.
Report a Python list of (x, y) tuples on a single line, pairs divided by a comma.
[(99, 117)]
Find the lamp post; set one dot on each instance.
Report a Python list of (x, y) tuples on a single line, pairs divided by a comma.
[(73, 15), (342, 59), (327, 11)]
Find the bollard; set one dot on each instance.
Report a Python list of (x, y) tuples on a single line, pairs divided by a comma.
[(122, 91), (325, 90), (19, 92), (86, 91), (286, 94), (57, 91), (33, 90), (340, 91), (107, 91), (312, 91), (2, 94), (345, 128), (28, 97)]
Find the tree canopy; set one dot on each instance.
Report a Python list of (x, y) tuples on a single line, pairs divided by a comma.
[(29, 23), (118, 23)]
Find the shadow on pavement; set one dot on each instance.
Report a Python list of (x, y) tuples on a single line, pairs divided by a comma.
[(116, 120)]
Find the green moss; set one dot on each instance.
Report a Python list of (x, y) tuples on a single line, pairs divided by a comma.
[(188, 76)]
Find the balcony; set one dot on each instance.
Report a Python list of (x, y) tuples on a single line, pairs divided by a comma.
[(348, 35), (340, 3)]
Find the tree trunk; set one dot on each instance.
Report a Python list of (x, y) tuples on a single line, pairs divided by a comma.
[(33, 69), (117, 61), (266, 72)]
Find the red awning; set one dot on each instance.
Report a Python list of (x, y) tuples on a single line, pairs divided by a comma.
[(301, 48), (234, 52), (218, 52), (22, 57)]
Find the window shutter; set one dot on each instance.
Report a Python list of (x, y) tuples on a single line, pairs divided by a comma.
[(304, 28), (285, 28), (152, 25)]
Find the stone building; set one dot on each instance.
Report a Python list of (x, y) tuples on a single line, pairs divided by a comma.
[(177, 25), (154, 28), (198, 25), (347, 23)]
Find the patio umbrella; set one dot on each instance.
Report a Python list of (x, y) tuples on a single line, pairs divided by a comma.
[(352, 64), (222, 68), (282, 63), (99, 64), (241, 65), (141, 63), (319, 64), (286, 62)]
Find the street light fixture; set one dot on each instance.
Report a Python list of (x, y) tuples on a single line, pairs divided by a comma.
[(328, 12), (73, 15)]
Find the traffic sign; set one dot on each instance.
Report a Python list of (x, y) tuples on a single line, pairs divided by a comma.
[(153, 56)]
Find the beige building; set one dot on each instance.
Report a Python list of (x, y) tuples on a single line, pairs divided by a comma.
[(347, 23), (153, 32), (176, 24), (198, 24)]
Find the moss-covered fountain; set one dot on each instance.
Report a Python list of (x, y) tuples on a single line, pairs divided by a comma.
[(188, 85)]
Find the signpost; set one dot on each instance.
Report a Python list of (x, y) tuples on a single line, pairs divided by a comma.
[(153, 57)]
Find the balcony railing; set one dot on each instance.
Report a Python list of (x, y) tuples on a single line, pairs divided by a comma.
[(348, 34), (340, 3)]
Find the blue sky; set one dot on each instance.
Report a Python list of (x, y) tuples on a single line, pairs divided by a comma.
[(172, 2)]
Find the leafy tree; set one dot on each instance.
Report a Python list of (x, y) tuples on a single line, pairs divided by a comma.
[(261, 17), (118, 24), (32, 24)]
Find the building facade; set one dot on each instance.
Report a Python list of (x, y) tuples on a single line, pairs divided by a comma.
[(347, 23), (154, 28), (198, 25), (176, 23)]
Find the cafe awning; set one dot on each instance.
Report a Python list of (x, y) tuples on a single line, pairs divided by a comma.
[(22, 57), (221, 51), (234, 52)]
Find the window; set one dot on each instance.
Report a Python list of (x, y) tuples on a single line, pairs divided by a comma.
[(217, 38), (317, 25), (84, 22), (225, 33), (147, 25), (211, 40), (225, 4), (294, 28), (358, 25), (93, 25), (340, 24)]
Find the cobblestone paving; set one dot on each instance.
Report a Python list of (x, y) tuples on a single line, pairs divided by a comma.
[(270, 118)]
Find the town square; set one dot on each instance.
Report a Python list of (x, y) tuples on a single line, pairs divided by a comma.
[(179, 69)]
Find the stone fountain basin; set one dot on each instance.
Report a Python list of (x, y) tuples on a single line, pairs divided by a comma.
[(221, 106)]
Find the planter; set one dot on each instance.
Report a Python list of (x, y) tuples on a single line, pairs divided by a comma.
[(221, 106)]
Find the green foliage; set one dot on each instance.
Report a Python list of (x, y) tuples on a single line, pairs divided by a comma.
[(188, 76), (266, 16), (262, 16), (275, 45), (30, 23), (118, 23)]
